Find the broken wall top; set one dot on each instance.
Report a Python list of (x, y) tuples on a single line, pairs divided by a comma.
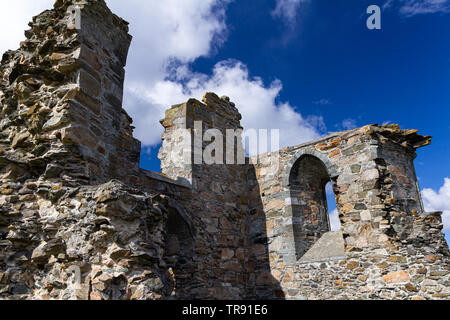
[(61, 97)]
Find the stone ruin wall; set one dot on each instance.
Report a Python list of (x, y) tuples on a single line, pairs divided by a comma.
[(221, 201), (74, 198), (391, 248), (62, 133)]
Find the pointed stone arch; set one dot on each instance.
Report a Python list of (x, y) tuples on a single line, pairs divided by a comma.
[(180, 235), (307, 179)]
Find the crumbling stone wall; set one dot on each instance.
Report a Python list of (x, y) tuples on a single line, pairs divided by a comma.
[(62, 94), (96, 243), (80, 220), (307, 182), (377, 196), (62, 132), (380, 210), (220, 198)]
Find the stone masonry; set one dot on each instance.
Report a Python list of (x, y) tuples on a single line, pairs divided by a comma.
[(80, 220), (387, 236)]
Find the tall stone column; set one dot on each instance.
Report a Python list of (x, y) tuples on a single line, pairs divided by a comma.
[(220, 192), (61, 93)]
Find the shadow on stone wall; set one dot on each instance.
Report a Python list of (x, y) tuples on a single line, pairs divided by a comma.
[(307, 182), (261, 284)]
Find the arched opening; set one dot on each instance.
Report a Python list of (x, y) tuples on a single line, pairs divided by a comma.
[(307, 182), (179, 249), (179, 242)]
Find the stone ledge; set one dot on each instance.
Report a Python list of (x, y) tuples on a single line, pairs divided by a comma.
[(328, 248), (160, 177)]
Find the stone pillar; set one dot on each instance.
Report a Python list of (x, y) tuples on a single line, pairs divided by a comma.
[(177, 153), (66, 84), (185, 125), (220, 194), (62, 131), (398, 185)]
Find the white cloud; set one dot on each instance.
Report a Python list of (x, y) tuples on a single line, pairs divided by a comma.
[(410, 8), (168, 32), (16, 15), (334, 220), (288, 10), (439, 201), (168, 36), (256, 102)]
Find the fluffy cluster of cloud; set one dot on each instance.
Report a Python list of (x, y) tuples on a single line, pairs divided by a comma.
[(439, 201), (170, 32), (256, 102), (409, 8), (168, 36)]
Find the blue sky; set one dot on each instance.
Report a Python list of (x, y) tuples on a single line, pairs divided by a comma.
[(307, 67)]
